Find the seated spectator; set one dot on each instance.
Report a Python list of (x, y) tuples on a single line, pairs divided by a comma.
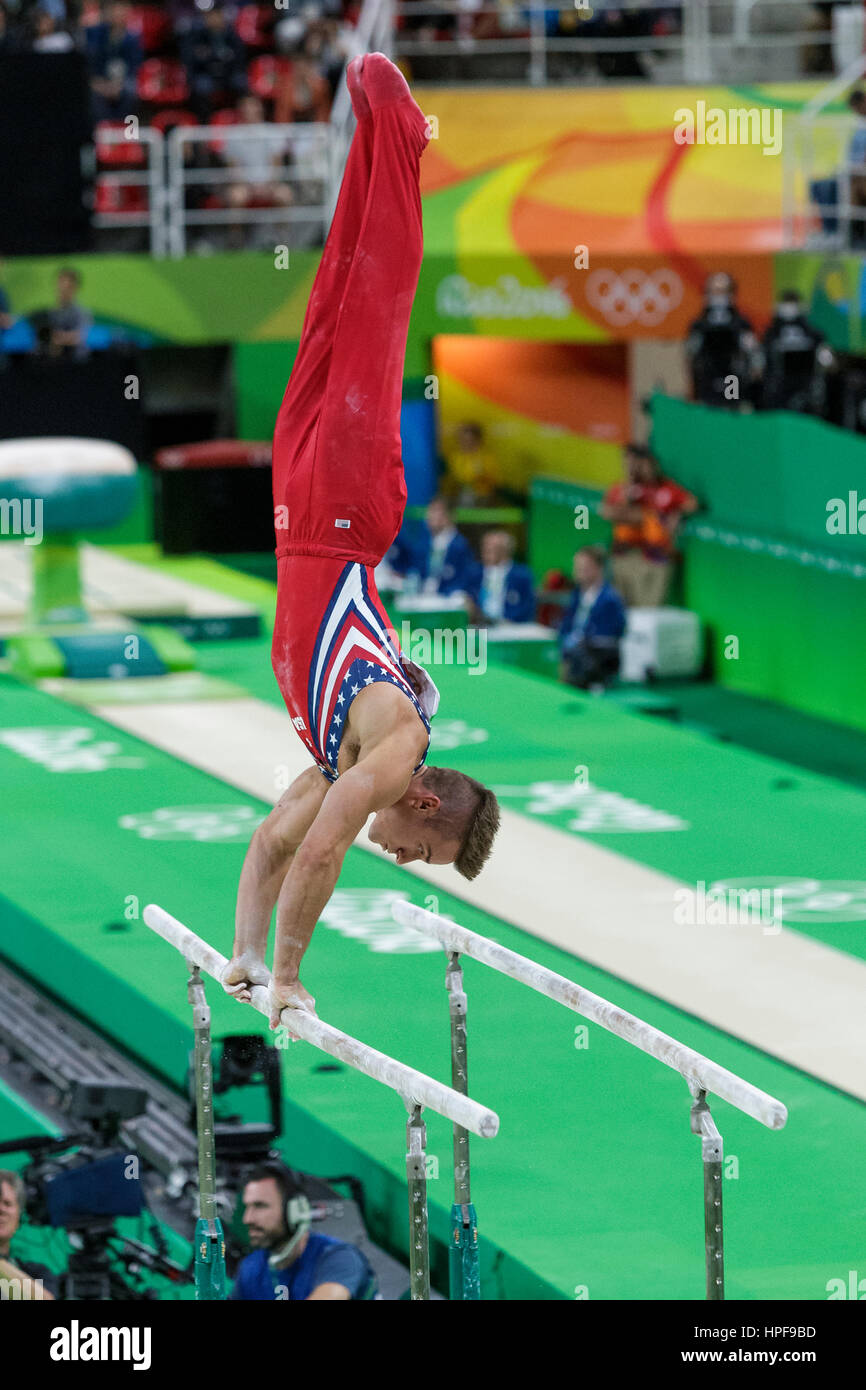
[(24, 1272), (302, 94), (288, 1262), (49, 34), (825, 192), (796, 360), (114, 56), (215, 62), (722, 347), (62, 331), (593, 625), (257, 161), (502, 591), (442, 562), (471, 472), (646, 510)]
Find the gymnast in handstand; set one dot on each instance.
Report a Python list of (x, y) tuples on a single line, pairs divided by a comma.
[(361, 708)]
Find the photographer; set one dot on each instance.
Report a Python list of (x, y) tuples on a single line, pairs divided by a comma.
[(34, 1281), (287, 1262)]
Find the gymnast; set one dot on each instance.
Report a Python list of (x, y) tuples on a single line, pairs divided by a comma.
[(361, 708)]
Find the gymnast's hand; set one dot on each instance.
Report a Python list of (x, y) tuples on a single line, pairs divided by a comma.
[(290, 995), (242, 972)]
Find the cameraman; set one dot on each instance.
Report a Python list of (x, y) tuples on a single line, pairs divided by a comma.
[(287, 1262), (23, 1271)]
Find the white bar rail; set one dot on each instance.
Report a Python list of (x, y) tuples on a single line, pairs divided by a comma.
[(698, 1071), (413, 1086)]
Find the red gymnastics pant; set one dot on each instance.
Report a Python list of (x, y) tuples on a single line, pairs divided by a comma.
[(338, 479), (339, 490)]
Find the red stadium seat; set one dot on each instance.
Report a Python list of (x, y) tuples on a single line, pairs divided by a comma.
[(265, 74), (254, 26), (121, 198), (162, 82), (225, 117), (124, 154), (165, 121), (151, 26)]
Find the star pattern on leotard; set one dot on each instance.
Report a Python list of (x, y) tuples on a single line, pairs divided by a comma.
[(354, 680)]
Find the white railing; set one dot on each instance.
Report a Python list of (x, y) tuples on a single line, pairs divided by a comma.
[(719, 40), (151, 177), (817, 148), (309, 147), (176, 168)]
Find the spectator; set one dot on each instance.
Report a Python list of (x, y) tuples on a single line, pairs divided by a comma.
[(502, 590), (49, 35), (258, 161), (303, 94), (722, 347), (215, 62), (62, 331), (646, 509), (442, 562), (471, 475), (593, 625), (796, 360), (11, 1208), (114, 56), (287, 1262), (825, 192)]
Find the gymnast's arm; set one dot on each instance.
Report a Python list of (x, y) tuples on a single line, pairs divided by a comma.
[(379, 778), (270, 854)]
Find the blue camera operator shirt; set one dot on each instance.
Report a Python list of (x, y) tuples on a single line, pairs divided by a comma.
[(325, 1261)]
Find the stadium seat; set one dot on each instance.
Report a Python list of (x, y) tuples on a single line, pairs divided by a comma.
[(165, 121), (162, 82), (254, 26), (117, 199), (127, 154), (151, 27), (265, 73)]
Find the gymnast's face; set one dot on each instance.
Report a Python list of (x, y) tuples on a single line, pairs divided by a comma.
[(408, 831), (264, 1214)]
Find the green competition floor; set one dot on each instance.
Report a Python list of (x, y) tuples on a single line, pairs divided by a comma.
[(594, 1183)]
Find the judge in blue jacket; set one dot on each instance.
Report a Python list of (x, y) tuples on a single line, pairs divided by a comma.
[(441, 558), (592, 626), (502, 590)]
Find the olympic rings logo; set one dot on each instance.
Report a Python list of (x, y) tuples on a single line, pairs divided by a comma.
[(634, 296)]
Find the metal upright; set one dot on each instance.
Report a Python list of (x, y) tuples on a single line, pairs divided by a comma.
[(210, 1246), (464, 1282)]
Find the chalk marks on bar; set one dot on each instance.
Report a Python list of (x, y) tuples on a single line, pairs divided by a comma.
[(700, 1072), (413, 1086)]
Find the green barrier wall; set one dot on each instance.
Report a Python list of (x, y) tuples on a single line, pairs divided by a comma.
[(773, 473), (798, 626)]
